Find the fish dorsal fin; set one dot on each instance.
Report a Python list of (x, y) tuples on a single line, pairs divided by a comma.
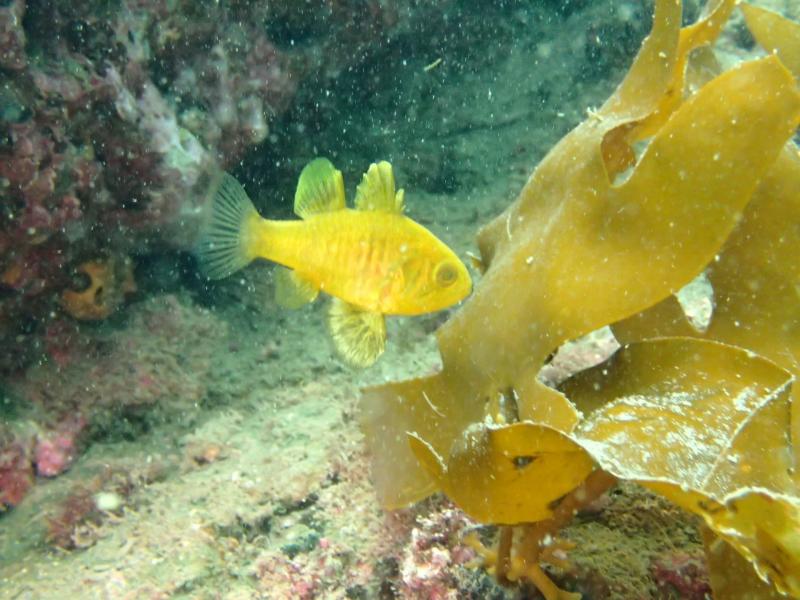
[(320, 189), (292, 290), (376, 190), (359, 335)]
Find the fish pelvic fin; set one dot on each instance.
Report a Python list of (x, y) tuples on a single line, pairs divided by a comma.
[(377, 192), (358, 335), (320, 189), (229, 240), (292, 290)]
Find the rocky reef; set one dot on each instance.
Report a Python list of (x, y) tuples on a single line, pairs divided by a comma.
[(114, 115)]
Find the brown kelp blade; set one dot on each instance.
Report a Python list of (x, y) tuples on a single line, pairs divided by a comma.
[(775, 33), (573, 236), (711, 416), (707, 425), (703, 423), (755, 278), (491, 470), (595, 237), (731, 575), (765, 528)]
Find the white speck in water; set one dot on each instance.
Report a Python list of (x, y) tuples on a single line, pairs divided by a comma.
[(107, 501), (625, 13)]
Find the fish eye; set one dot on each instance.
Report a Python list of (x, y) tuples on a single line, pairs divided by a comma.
[(445, 274)]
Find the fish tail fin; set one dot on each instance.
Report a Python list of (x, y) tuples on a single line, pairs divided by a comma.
[(229, 241)]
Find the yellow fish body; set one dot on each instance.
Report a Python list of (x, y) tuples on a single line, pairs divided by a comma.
[(372, 259)]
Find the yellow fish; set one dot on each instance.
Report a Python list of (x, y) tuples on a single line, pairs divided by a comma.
[(373, 260)]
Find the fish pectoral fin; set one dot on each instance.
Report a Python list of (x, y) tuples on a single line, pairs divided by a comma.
[(376, 190), (320, 189), (292, 290), (358, 335)]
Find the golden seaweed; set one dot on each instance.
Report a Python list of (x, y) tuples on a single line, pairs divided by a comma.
[(596, 237), (775, 34), (755, 278), (732, 576), (708, 426)]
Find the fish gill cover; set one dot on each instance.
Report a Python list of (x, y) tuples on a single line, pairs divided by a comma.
[(604, 233)]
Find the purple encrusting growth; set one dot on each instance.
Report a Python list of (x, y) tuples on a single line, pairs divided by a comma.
[(100, 157), (114, 117)]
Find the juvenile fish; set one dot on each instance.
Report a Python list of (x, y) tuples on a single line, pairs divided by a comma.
[(372, 259)]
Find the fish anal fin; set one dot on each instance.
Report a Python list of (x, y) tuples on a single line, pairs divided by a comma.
[(292, 290), (320, 189), (377, 192), (358, 335)]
